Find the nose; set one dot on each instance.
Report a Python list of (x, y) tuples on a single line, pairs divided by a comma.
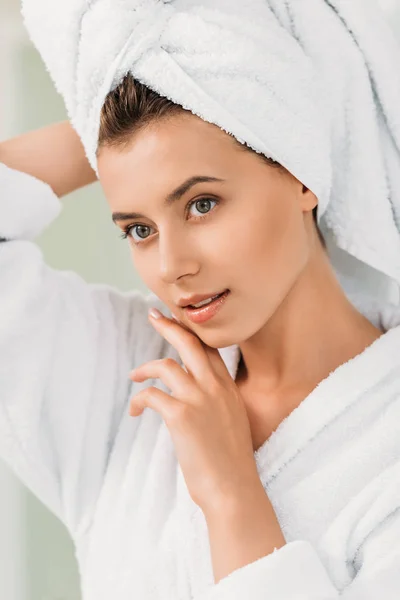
[(177, 257)]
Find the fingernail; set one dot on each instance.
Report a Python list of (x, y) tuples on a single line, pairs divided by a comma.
[(155, 313)]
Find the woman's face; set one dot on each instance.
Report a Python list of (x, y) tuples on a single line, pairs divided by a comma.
[(248, 231)]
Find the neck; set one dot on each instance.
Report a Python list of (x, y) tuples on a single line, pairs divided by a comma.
[(314, 330)]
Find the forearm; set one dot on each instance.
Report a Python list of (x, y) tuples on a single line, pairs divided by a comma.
[(53, 154), (241, 532)]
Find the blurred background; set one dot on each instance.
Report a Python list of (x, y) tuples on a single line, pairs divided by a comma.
[(37, 560)]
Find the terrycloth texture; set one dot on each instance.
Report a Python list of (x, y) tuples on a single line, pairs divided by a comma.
[(315, 84), (331, 469)]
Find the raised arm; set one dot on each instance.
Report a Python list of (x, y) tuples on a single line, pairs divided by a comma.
[(66, 346), (53, 154)]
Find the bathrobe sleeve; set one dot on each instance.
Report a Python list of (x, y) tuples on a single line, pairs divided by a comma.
[(295, 572), (66, 350)]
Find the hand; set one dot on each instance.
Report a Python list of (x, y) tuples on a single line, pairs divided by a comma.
[(205, 415)]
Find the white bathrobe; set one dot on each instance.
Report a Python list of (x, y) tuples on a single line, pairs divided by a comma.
[(331, 469)]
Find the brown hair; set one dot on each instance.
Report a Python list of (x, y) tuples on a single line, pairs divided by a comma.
[(132, 106)]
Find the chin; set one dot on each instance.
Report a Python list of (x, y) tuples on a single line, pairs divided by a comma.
[(216, 339)]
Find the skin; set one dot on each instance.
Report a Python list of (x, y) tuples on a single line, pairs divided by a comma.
[(287, 311), (53, 154)]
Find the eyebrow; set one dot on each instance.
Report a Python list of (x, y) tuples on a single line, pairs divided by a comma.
[(174, 196)]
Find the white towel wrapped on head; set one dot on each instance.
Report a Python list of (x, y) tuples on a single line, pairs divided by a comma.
[(314, 84)]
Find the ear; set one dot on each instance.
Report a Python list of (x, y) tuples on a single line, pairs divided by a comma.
[(308, 199)]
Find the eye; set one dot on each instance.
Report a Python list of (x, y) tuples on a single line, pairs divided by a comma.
[(139, 227), (202, 205)]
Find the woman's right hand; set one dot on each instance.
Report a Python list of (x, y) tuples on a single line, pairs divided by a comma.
[(53, 154)]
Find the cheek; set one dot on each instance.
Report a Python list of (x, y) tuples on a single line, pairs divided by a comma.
[(145, 268), (251, 240), (269, 251)]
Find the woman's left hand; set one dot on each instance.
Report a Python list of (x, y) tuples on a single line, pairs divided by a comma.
[(205, 415)]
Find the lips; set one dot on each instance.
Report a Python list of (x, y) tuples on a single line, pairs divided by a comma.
[(195, 299), (206, 312), (215, 297)]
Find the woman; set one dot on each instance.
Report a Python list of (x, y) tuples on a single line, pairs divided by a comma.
[(68, 433), (267, 466)]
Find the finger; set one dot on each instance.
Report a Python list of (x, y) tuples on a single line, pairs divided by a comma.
[(213, 354), (156, 399), (181, 384), (190, 348), (217, 363)]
